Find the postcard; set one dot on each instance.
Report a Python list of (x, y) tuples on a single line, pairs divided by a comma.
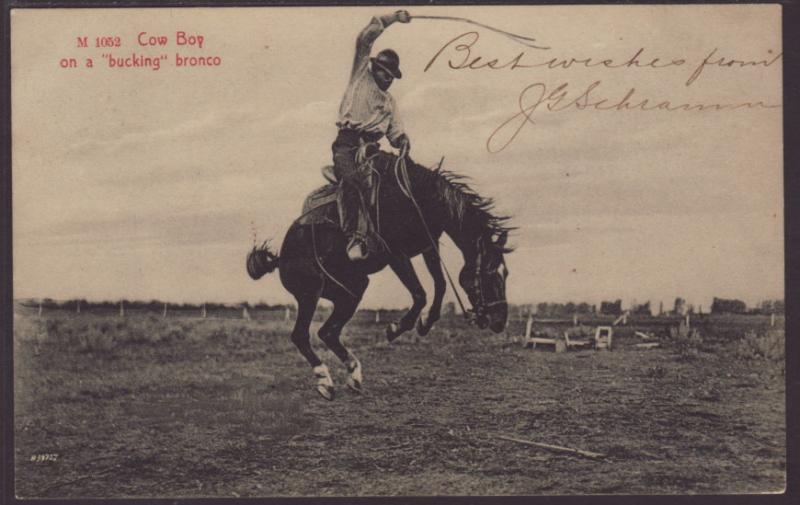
[(422, 251)]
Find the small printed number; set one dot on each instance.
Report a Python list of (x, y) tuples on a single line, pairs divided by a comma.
[(39, 458), (107, 41)]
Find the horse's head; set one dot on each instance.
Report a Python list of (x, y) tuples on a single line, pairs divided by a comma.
[(484, 280)]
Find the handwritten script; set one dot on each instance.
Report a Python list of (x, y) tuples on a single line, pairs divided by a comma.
[(461, 53)]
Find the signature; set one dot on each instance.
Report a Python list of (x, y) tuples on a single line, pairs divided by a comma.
[(538, 96), (464, 47)]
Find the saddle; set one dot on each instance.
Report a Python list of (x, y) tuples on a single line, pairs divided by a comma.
[(319, 206), (315, 205)]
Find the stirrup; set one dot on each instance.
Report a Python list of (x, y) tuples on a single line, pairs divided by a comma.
[(357, 249)]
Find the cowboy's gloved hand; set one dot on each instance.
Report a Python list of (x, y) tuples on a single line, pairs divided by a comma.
[(403, 16), (402, 143)]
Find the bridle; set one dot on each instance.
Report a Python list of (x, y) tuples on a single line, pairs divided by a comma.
[(481, 306)]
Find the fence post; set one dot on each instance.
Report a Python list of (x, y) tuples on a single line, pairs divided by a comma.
[(575, 319), (687, 322), (245, 313), (772, 320), (203, 313), (288, 314), (40, 308), (377, 315)]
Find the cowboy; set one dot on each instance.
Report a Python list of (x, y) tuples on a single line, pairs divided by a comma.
[(367, 113)]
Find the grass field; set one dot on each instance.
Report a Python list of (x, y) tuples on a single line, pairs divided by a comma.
[(145, 407)]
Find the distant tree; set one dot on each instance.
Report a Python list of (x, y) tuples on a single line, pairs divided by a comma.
[(679, 308), (611, 308), (449, 309), (771, 307), (583, 308), (642, 309), (725, 306)]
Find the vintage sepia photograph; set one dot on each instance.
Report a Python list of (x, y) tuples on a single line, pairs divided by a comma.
[(388, 250)]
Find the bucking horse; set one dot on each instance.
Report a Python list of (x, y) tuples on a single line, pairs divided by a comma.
[(411, 206)]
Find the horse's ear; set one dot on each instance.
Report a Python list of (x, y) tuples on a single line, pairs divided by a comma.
[(501, 239)]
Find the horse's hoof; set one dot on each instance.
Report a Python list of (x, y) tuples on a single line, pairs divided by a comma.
[(326, 392), (354, 385), (392, 331), (422, 328)]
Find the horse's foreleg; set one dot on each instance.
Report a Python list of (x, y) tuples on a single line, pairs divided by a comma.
[(330, 333), (404, 270), (439, 286)]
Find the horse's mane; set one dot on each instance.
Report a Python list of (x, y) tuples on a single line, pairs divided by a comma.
[(459, 197)]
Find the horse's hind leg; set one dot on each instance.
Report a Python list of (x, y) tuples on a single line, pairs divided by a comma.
[(343, 309), (306, 306)]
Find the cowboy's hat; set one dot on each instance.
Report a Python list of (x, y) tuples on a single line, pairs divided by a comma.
[(389, 61)]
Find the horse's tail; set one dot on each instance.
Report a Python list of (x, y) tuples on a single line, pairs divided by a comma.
[(261, 261)]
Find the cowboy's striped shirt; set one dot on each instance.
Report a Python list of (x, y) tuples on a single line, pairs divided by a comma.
[(365, 107)]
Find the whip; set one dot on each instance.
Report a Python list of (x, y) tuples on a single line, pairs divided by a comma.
[(521, 39)]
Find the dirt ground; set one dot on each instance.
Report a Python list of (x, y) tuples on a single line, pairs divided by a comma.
[(112, 407)]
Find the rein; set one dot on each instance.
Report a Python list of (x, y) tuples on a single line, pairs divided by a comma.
[(403, 181), (322, 267), (478, 277), (364, 161)]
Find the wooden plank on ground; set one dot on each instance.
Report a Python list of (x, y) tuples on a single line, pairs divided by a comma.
[(555, 448)]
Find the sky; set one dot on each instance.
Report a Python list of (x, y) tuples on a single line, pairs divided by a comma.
[(143, 184)]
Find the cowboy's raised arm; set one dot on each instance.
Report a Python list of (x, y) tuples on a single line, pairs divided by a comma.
[(371, 32)]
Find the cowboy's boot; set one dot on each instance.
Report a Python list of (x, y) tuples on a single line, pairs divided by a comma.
[(363, 242), (349, 220)]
